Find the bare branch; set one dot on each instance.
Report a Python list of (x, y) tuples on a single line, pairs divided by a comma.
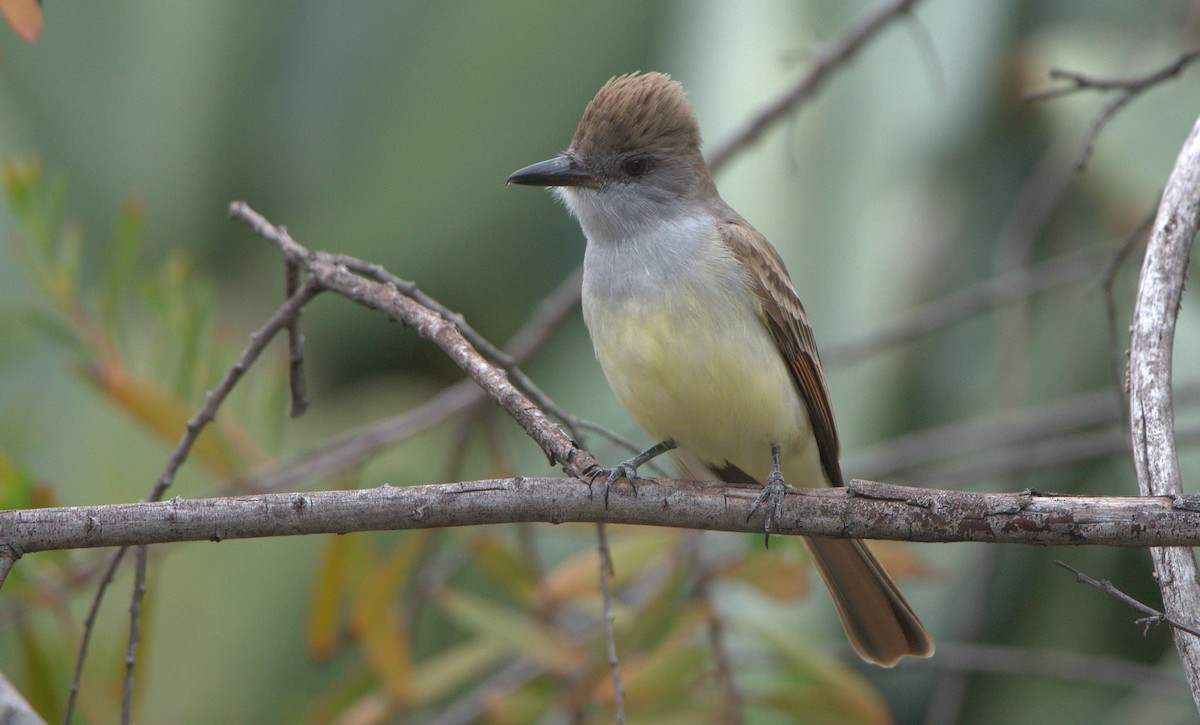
[(607, 619), (1004, 288), (1080, 81), (1116, 344), (731, 700), (89, 626), (497, 356), (354, 448), (863, 510), (8, 557), (827, 59), (135, 634), (1153, 616), (1152, 335), (258, 342), (14, 709), (330, 272), (1107, 671), (296, 378), (1126, 89)]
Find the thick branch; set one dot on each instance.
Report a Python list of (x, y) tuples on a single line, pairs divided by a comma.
[(14, 709), (1152, 335), (864, 510)]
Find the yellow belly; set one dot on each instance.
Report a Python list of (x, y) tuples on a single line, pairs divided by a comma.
[(709, 377)]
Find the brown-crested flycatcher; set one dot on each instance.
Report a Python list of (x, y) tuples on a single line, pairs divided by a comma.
[(701, 335)]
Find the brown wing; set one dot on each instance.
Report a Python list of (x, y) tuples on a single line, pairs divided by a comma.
[(785, 318)]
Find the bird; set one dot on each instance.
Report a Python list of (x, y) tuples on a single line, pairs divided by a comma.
[(702, 337)]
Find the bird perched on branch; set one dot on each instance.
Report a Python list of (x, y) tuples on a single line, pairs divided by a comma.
[(701, 334)]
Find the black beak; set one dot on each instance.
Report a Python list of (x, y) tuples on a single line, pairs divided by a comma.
[(558, 171)]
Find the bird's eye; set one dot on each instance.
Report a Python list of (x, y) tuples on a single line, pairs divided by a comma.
[(637, 166)]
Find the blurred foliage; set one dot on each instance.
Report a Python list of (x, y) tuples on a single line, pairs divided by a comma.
[(385, 130), (24, 17)]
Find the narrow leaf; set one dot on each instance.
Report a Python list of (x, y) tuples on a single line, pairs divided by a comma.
[(377, 622), (514, 630), (24, 17), (329, 592), (122, 259), (224, 447)]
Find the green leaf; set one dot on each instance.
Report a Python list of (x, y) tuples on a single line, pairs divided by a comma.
[(660, 679), (41, 683), (511, 572), (122, 261), (55, 328), (513, 630), (454, 668), (68, 258), (816, 684), (17, 485)]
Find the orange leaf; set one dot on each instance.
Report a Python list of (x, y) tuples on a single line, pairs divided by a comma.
[(632, 550), (223, 446), (24, 17), (329, 591), (901, 560), (379, 624), (774, 576)]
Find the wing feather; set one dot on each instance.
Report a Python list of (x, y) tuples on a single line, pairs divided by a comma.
[(785, 318)]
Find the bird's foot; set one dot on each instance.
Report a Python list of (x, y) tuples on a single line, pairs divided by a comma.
[(612, 475), (627, 470), (774, 489)]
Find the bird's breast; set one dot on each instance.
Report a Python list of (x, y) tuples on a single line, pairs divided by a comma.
[(691, 359)]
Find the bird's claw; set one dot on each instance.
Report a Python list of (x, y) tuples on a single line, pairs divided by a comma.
[(612, 475), (772, 495)]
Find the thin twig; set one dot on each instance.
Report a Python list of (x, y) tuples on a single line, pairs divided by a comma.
[(89, 626), (1153, 616), (1093, 669), (1116, 340), (826, 60), (1079, 81), (259, 339), (1126, 89), (331, 272), (607, 617), (731, 702), (500, 358), (8, 557), (905, 453), (135, 629), (1041, 455), (216, 396), (296, 379), (1004, 288), (353, 449), (356, 447)]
